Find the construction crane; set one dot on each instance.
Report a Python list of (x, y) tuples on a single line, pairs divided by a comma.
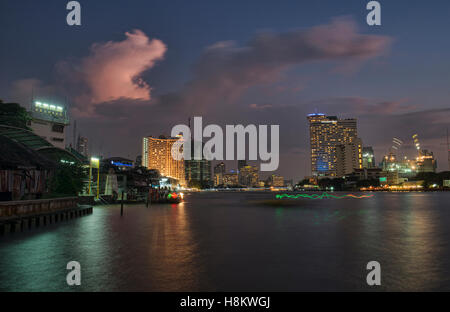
[(448, 149)]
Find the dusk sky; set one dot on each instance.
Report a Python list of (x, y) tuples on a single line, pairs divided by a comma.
[(137, 68)]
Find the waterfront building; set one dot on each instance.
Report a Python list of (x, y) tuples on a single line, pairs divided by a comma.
[(369, 173), (219, 171), (426, 162), (82, 146), (49, 121), (368, 157), (326, 132), (405, 168), (156, 154), (24, 172), (249, 176), (230, 179), (197, 172), (348, 157), (275, 180), (117, 162)]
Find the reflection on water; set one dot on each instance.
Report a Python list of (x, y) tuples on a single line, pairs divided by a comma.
[(233, 241)]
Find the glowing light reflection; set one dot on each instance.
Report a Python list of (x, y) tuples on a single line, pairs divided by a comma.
[(322, 196)]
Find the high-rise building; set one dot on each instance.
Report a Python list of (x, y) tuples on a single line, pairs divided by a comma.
[(230, 179), (326, 132), (275, 180), (368, 160), (157, 154), (249, 176), (49, 122), (219, 171), (82, 145), (348, 157), (197, 172)]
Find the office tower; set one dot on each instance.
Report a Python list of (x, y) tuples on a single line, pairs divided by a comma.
[(249, 176), (197, 172), (49, 122), (241, 163), (230, 179), (368, 160), (276, 180), (156, 154), (348, 157), (326, 132), (219, 171), (82, 146)]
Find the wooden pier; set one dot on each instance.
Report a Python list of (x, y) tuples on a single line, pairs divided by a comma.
[(17, 216)]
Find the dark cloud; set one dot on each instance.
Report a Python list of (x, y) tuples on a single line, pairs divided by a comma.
[(226, 70)]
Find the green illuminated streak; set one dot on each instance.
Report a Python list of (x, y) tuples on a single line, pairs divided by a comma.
[(322, 196)]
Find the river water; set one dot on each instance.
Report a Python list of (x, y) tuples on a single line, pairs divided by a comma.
[(235, 241)]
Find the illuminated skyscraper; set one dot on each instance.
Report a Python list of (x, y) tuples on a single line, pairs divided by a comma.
[(326, 132), (156, 154)]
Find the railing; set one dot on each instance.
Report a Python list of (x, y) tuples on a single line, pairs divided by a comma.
[(29, 207)]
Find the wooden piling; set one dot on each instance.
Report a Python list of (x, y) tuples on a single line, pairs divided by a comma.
[(121, 206)]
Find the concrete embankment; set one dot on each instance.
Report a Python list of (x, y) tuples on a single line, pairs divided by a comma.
[(20, 215)]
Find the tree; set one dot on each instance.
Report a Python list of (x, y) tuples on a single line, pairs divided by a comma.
[(303, 182), (14, 115), (67, 180)]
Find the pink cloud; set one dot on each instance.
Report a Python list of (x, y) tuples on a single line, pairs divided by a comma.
[(113, 69)]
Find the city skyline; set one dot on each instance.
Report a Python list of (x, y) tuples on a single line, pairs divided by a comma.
[(221, 154), (391, 78)]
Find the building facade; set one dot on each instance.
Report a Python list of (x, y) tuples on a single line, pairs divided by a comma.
[(157, 154), (249, 176), (275, 180), (219, 171), (349, 157), (230, 179), (426, 161), (326, 132), (49, 122)]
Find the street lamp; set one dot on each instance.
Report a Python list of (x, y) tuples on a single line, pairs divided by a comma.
[(94, 163)]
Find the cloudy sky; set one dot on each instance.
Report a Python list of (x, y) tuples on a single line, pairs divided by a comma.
[(137, 68)]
